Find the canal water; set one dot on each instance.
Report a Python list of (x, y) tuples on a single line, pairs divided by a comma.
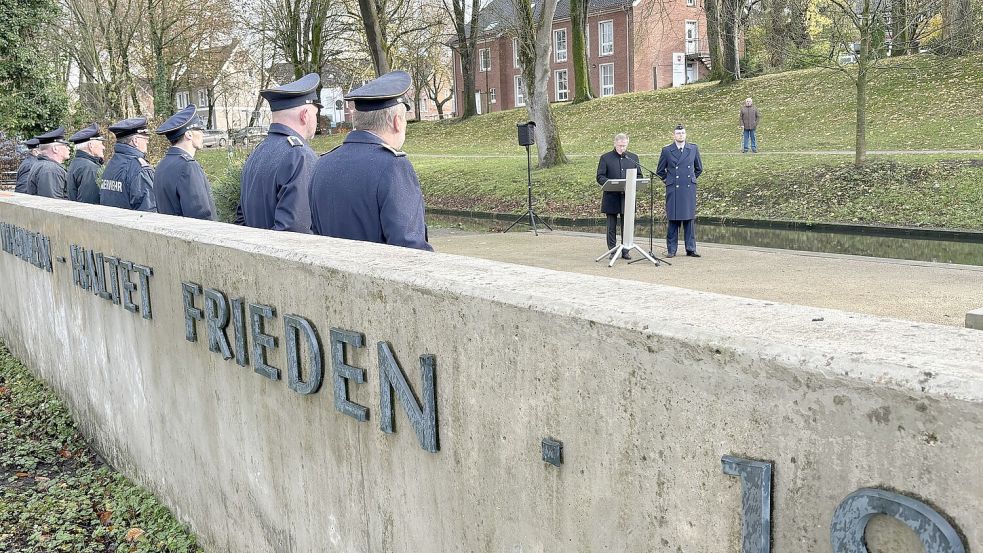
[(851, 243)]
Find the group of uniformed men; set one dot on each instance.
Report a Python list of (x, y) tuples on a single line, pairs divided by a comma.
[(365, 189)]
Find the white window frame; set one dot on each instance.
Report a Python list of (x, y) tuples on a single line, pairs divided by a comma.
[(515, 53), (605, 48), (600, 78), (182, 99), (481, 59), (519, 92), (202, 98), (492, 96), (560, 55), (691, 3), (562, 95)]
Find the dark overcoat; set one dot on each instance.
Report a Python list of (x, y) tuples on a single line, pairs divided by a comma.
[(47, 178), (83, 174), (679, 171), (23, 172), (276, 182), (181, 188), (365, 190), (128, 181), (613, 166)]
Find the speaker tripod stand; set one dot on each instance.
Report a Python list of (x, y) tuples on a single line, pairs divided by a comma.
[(530, 212)]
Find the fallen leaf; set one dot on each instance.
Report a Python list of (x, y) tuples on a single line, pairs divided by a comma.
[(65, 453), (104, 517), (22, 475), (133, 534)]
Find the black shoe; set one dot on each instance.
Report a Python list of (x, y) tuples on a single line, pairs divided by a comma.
[(692, 254), (624, 255), (670, 255)]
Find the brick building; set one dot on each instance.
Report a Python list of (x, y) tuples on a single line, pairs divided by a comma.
[(632, 46)]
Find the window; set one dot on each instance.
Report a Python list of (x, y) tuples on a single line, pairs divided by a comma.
[(562, 86), (560, 45), (182, 99), (515, 53), (691, 3), (607, 79), (484, 59), (605, 38), (492, 96), (520, 92), (202, 98)]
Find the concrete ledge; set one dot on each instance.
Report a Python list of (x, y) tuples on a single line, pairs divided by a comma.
[(647, 387), (974, 319)]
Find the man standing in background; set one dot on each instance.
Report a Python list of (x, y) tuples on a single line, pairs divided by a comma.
[(24, 170), (180, 185), (749, 124), (679, 167), (48, 177), (613, 165)]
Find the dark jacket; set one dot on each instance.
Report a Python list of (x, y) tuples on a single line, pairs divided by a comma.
[(276, 182), (47, 178), (83, 173), (24, 171), (128, 181), (679, 171), (613, 166), (750, 117), (181, 188), (365, 190)]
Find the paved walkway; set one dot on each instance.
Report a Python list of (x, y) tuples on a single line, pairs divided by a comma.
[(733, 153), (914, 290)]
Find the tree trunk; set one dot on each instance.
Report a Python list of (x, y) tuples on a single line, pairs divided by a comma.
[(863, 61), (578, 49), (374, 37), (713, 38), (958, 27), (900, 28), (730, 38)]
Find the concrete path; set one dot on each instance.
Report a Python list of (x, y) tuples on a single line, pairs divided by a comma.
[(731, 153), (914, 290)]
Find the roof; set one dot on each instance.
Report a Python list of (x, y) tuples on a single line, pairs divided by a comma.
[(497, 16)]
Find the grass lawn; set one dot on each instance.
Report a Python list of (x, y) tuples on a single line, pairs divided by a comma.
[(56, 494), (918, 103)]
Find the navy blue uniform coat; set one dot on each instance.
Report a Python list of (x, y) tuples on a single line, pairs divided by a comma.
[(181, 188), (276, 182), (83, 173), (24, 171), (47, 178), (679, 171), (613, 166), (128, 181), (365, 190)]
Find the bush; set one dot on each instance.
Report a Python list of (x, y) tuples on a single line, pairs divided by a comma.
[(226, 188)]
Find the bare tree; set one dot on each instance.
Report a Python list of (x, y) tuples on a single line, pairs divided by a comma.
[(306, 33), (423, 52), (465, 21), (578, 50), (534, 35)]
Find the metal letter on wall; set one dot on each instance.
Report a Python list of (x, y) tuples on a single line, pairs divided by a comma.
[(755, 501), (293, 327), (191, 313), (216, 319), (422, 417), (344, 372), (144, 273), (850, 520), (262, 341), (239, 330), (127, 286)]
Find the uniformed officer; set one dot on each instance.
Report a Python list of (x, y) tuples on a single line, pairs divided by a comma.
[(83, 172), (48, 177), (180, 185), (24, 170), (679, 167), (614, 165), (276, 178), (366, 189), (128, 181)]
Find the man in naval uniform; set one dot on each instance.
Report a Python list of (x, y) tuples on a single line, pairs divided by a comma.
[(614, 165), (48, 177), (180, 185), (24, 170), (83, 172), (128, 181), (277, 176), (366, 189), (679, 167)]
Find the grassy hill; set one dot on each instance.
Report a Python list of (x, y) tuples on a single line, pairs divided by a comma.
[(917, 103)]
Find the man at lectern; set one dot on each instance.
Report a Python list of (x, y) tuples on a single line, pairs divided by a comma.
[(679, 167), (613, 165)]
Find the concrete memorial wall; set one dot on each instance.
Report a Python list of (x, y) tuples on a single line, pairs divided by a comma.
[(289, 393)]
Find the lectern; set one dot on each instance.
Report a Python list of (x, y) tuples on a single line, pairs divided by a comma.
[(626, 185)]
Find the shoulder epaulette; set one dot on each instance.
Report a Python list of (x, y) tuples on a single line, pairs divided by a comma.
[(294, 141), (143, 162), (394, 151)]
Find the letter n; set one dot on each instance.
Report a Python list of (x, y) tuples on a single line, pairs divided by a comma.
[(423, 417)]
